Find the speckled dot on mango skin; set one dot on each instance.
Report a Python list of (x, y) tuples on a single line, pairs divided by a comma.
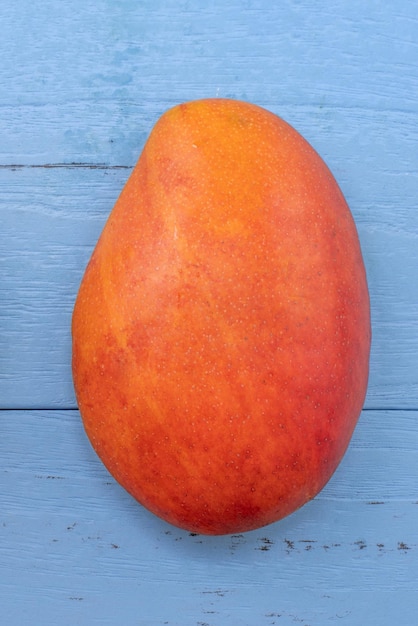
[(221, 333)]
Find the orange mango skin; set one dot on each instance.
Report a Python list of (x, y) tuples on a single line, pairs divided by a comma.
[(221, 333)]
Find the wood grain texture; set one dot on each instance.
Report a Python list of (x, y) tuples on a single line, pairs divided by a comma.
[(85, 552), (82, 83), (53, 219), (85, 81)]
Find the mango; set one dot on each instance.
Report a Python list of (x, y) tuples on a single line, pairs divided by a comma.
[(221, 333)]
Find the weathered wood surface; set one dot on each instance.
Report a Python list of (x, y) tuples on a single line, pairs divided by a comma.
[(81, 85), (51, 220), (75, 545)]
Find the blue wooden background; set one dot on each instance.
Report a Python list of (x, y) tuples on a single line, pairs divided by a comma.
[(81, 84)]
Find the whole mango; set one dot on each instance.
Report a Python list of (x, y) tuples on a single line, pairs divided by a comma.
[(221, 333)]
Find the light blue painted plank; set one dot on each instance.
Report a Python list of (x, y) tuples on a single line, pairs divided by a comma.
[(77, 549), (384, 444), (84, 82), (51, 219)]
